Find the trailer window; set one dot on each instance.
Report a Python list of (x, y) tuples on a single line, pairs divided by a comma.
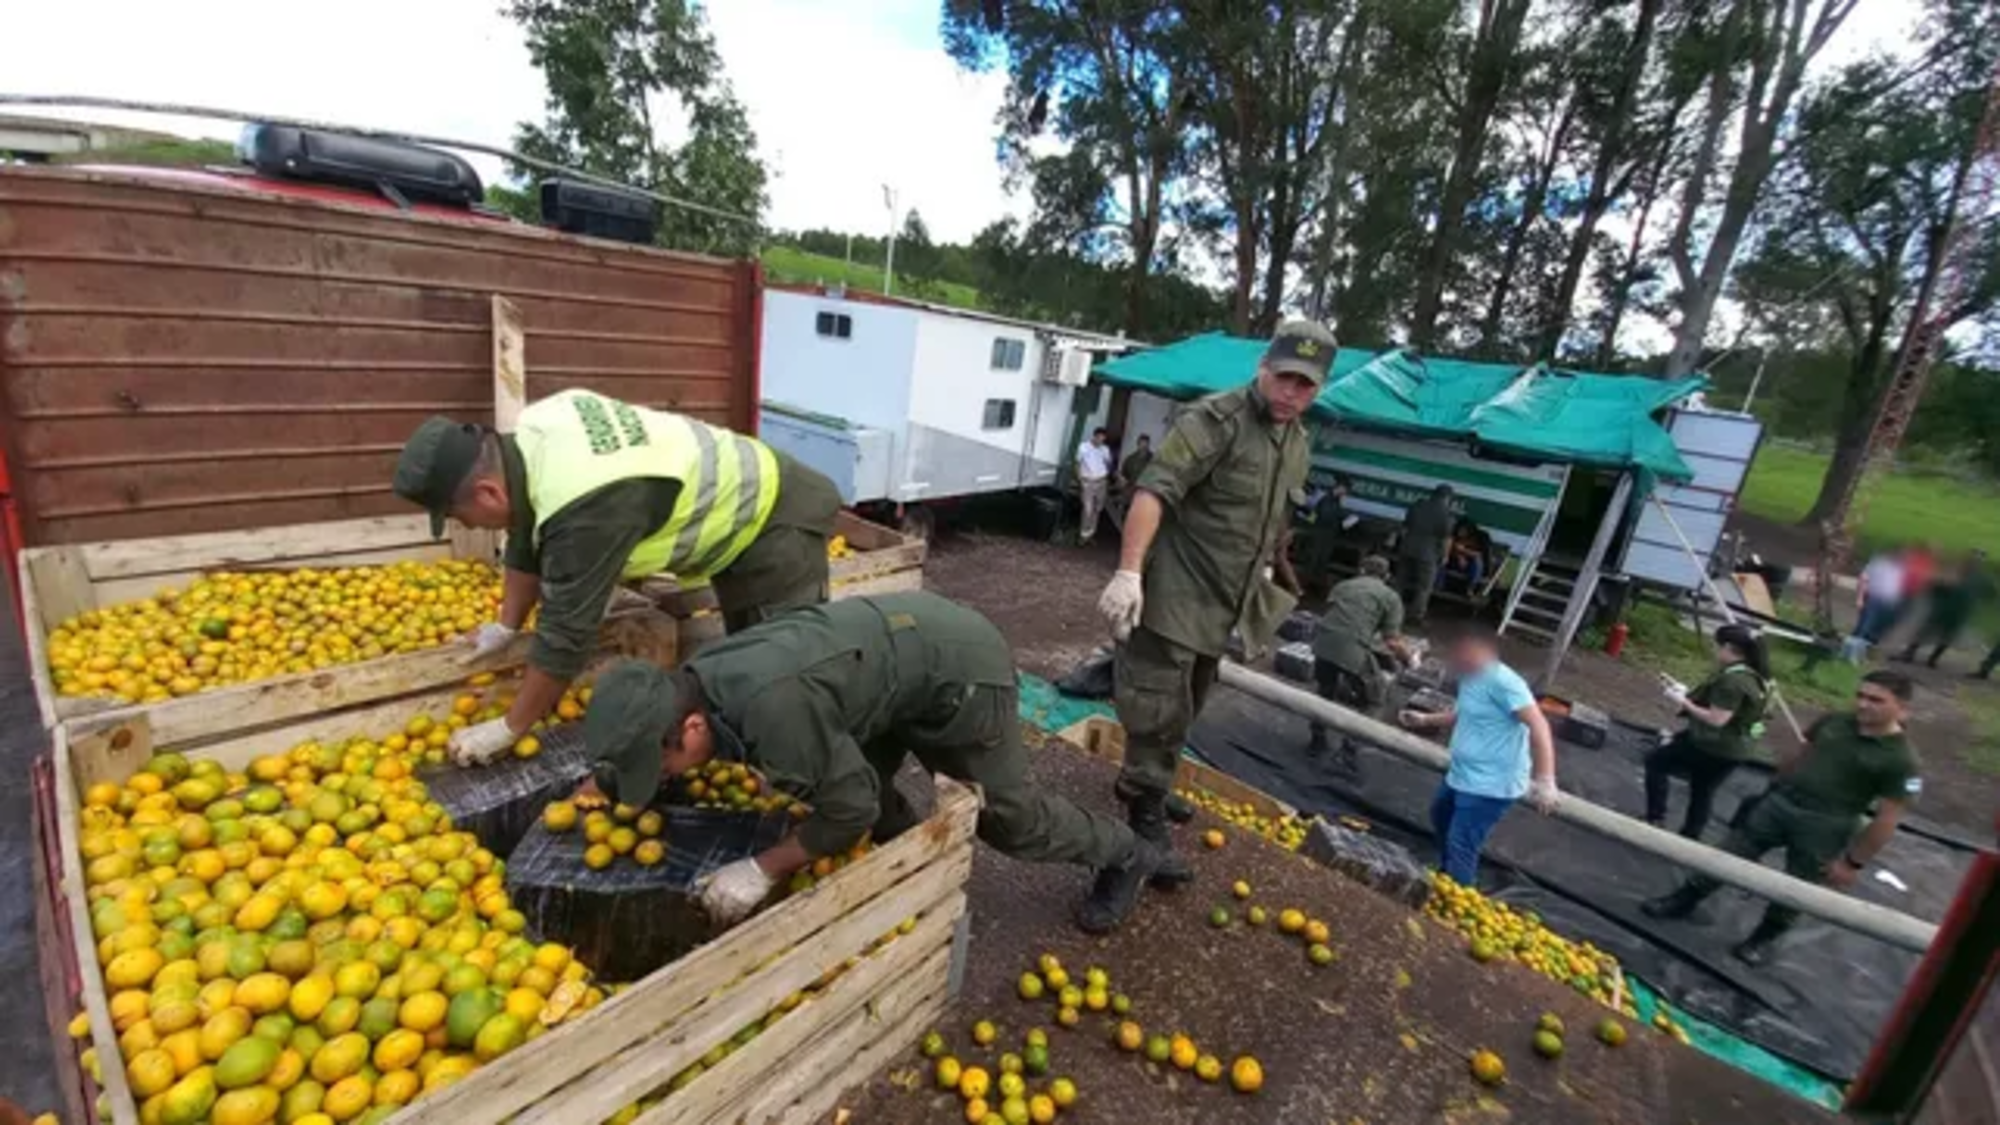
[(837, 326), (1008, 355), (999, 414)]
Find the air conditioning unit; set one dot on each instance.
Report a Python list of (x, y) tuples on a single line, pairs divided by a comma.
[(1069, 367)]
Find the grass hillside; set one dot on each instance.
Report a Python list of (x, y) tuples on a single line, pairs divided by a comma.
[(792, 266)]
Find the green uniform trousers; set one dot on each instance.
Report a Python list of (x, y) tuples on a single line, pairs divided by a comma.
[(981, 744), (1812, 841), (1160, 688), (785, 567), (1417, 576)]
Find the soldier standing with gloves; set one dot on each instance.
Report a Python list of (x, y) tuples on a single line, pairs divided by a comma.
[(1208, 517), (592, 491), (1725, 720), (826, 703), (1426, 539), (1815, 808)]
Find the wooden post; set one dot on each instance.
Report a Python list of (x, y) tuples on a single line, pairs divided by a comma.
[(1586, 580), (510, 365)]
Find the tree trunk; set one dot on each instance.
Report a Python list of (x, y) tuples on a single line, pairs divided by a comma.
[(1610, 154), (1865, 387), (1332, 191), (1621, 291), (1494, 45), (1517, 239)]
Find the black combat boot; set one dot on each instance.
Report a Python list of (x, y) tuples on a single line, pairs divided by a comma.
[(1756, 949), (1147, 814), (1180, 810), (1115, 894), (1679, 904)]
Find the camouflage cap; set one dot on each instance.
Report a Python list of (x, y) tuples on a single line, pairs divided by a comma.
[(434, 462), (631, 707), (1302, 347)]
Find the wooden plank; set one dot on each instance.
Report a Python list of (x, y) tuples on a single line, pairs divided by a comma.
[(129, 558), (109, 753), (868, 563), (102, 1032), (510, 365), (727, 1092), (858, 1048), (646, 1066), (54, 953), (866, 535), (892, 583), (661, 999), (61, 582), (39, 676)]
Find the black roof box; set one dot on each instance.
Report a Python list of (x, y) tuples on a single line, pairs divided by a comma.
[(402, 172), (599, 211)]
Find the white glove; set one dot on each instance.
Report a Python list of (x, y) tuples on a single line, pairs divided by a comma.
[(1410, 719), (730, 893), (1543, 796), (1677, 692), (1124, 599), (489, 639), (481, 743)]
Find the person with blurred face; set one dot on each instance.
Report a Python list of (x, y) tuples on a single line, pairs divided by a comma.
[(1425, 542), (1093, 476), (1501, 751), (1816, 808), (1208, 518)]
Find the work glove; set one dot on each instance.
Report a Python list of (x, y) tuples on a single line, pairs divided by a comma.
[(1410, 719), (1124, 599), (1543, 796), (481, 743), (731, 892), (489, 639), (1676, 691)]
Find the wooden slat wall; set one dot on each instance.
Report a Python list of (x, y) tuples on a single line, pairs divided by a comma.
[(178, 359)]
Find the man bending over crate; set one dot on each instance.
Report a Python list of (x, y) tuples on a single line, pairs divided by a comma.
[(592, 491), (827, 702)]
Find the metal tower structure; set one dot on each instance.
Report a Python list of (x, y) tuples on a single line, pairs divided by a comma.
[(1973, 195)]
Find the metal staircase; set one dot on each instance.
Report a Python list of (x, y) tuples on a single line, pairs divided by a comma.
[(1541, 597)]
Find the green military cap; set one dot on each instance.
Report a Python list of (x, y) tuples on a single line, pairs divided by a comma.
[(1302, 347), (631, 707), (434, 462)]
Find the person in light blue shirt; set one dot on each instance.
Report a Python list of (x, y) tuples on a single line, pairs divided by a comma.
[(1501, 751)]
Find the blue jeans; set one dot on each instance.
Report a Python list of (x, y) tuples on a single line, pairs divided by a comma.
[(1461, 822)]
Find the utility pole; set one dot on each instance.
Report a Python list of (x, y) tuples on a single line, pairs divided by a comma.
[(889, 269), (1757, 380)]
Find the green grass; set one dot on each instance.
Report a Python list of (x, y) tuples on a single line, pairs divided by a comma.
[(1902, 507), (1661, 641), (792, 266), (1982, 706)]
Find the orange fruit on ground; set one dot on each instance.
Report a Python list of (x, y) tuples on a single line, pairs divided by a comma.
[(1213, 838), (1181, 1052), (1487, 1068), (1246, 1075), (1317, 933), (1291, 921)]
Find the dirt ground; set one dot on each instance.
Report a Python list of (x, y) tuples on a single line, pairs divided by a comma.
[(1381, 1037), (1050, 616)]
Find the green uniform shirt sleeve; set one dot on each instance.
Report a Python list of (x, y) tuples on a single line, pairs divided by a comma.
[(1901, 779), (1392, 613), (806, 754), (583, 553), (1196, 442)]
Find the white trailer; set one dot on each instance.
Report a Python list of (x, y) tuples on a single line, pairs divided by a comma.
[(907, 403)]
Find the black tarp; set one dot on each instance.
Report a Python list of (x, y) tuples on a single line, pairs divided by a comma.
[(1820, 1002)]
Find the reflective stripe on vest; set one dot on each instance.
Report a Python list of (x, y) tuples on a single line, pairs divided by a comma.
[(576, 442)]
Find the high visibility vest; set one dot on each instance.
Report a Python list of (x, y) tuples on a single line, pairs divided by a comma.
[(576, 442)]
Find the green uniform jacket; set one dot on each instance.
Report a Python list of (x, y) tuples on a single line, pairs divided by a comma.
[(1360, 612), (1426, 530), (1134, 465), (1229, 478), (806, 692), (1954, 603), (585, 545), (1737, 690)]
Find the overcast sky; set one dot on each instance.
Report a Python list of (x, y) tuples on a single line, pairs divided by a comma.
[(845, 95)]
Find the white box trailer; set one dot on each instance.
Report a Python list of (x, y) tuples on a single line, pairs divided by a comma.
[(906, 403)]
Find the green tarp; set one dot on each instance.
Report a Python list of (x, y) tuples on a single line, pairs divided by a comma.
[(1548, 414)]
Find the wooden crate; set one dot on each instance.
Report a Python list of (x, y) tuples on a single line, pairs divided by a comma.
[(60, 582), (1104, 738), (583, 1072)]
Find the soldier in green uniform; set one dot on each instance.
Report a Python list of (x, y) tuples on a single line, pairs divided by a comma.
[(1952, 606), (1207, 520), (1362, 613), (1426, 538), (592, 491), (1725, 716), (827, 702), (1816, 806)]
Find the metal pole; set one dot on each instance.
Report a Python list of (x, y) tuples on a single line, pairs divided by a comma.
[(1755, 381), (889, 268), (1831, 906), (1715, 592)]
